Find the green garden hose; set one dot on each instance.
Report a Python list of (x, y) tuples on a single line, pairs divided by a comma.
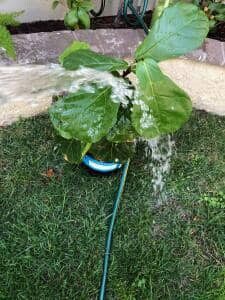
[(110, 232), (128, 5)]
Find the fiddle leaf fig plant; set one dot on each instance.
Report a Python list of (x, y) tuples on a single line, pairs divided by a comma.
[(105, 123), (78, 14)]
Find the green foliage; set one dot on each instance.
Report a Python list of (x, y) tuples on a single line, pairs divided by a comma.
[(123, 131), (6, 41), (156, 106), (110, 151), (86, 116), (74, 46), (73, 150), (78, 14), (163, 107), (180, 29), (214, 10)]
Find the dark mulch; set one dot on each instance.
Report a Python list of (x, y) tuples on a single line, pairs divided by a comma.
[(57, 25), (218, 33)]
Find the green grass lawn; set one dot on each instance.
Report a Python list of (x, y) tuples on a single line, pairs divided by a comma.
[(52, 229)]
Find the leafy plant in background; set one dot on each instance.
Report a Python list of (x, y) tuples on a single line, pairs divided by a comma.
[(6, 42), (215, 11), (91, 120), (78, 14)]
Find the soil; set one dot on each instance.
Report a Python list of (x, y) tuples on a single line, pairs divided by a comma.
[(96, 23), (101, 22)]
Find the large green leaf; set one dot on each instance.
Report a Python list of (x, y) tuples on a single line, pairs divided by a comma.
[(107, 151), (163, 107), (74, 46), (85, 116), (180, 29), (73, 150), (90, 59)]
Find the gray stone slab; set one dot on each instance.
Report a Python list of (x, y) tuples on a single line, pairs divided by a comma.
[(45, 47), (212, 52), (114, 42)]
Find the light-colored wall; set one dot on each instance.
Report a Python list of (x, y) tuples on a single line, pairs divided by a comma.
[(41, 9)]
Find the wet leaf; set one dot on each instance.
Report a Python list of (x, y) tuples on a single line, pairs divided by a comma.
[(91, 59), (180, 29), (85, 116), (163, 107)]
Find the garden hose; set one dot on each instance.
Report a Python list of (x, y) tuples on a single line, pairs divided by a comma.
[(100, 11), (110, 232), (128, 5)]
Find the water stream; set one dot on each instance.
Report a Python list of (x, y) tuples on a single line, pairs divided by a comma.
[(160, 150), (30, 84)]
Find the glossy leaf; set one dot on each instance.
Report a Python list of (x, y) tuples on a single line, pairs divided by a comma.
[(86, 116), (107, 151), (180, 29), (91, 59), (163, 107), (74, 46), (73, 150)]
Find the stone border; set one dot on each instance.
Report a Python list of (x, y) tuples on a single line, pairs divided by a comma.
[(45, 47)]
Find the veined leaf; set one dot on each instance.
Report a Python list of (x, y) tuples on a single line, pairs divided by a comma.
[(180, 29), (85, 116), (73, 150), (74, 46), (90, 59), (6, 42), (163, 107)]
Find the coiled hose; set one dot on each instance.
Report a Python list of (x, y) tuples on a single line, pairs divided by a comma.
[(138, 16)]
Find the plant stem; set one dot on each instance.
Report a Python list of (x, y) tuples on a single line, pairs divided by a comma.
[(127, 72)]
